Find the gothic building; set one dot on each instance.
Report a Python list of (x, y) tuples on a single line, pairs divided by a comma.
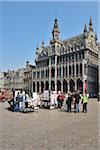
[(65, 65)]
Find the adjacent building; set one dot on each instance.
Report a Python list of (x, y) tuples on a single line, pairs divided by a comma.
[(28, 78), (2, 79), (67, 65), (20, 79)]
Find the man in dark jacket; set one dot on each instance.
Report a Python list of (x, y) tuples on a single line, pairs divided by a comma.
[(77, 101), (68, 102)]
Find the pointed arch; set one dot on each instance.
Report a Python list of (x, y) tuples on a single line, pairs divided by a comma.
[(65, 86), (71, 85), (52, 85), (37, 86), (42, 86), (33, 86), (58, 85), (80, 85), (46, 85)]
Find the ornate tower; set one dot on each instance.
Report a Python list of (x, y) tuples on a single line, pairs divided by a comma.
[(37, 51), (55, 32), (55, 42)]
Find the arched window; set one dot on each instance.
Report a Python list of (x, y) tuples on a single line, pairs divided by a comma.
[(77, 69), (69, 70), (81, 69), (73, 69)]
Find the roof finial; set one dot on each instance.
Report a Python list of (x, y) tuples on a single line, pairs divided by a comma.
[(37, 47), (42, 40), (90, 23), (85, 28), (56, 14)]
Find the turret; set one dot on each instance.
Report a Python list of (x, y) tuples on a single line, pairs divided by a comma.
[(55, 32), (37, 49), (85, 31), (85, 28), (42, 43)]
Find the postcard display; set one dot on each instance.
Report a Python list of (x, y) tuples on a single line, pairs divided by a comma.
[(49, 99)]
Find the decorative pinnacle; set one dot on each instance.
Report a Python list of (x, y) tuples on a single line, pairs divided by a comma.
[(85, 28), (90, 23)]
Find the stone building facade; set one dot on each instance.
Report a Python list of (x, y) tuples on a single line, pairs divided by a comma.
[(20, 79), (13, 80), (66, 65), (28, 78), (2, 79)]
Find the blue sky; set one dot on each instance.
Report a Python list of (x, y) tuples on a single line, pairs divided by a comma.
[(24, 24)]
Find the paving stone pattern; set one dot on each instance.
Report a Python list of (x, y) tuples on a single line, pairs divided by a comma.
[(50, 129)]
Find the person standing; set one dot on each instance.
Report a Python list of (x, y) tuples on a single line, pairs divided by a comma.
[(60, 100), (20, 101), (69, 102), (77, 102), (85, 102)]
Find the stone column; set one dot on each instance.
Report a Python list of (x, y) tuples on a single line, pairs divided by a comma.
[(83, 68), (39, 86), (64, 71), (32, 81), (78, 69), (50, 73), (61, 71), (68, 69), (40, 73), (99, 75), (75, 69), (68, 85), (71, 70), (75, 85), (36, 87), (55, 72)]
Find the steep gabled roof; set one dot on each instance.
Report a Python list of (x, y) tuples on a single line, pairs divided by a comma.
[(79, 38)]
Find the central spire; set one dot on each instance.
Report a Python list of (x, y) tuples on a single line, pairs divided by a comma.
[(55, 31)]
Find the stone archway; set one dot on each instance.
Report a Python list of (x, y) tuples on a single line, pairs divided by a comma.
[(65, 86), (37, 86), (58, 85), (71, 85), (80, 85), (52, 72), (42, 86), (33, 86), (46, 85), (52, 85)]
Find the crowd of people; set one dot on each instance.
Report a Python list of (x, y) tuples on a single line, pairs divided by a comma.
[(70, 101), (75, 99), (18, 101)]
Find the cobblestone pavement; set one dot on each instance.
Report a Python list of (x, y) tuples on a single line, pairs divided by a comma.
[(50, 129)]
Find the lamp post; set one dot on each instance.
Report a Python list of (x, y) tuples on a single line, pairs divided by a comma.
[(99, 75)]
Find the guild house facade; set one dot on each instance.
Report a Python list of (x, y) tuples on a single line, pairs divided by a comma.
[(67, 65)]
